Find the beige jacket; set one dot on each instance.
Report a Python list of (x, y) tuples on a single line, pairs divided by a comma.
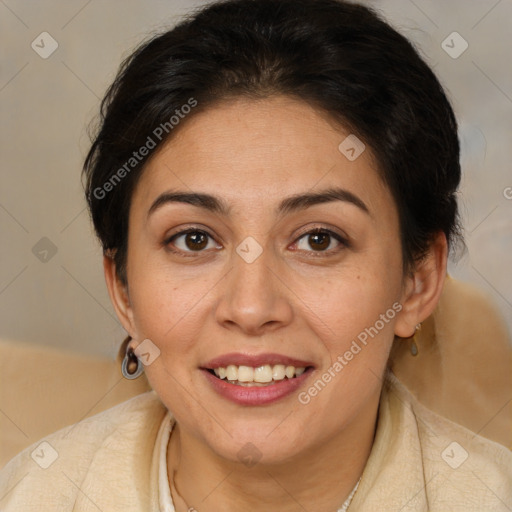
[(441, 441), (420, 461)]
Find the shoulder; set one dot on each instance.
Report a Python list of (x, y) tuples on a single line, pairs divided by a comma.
[(53, 468), (462, 470)]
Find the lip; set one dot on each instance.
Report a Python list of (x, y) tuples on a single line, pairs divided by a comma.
[(254, 360), (257, 395)]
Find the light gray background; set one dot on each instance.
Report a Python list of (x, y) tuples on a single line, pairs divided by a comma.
[(46, 105)]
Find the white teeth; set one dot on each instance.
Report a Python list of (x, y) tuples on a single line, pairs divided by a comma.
[(278, 372), (232, 372), (246, 375), (262, 374), (289, 371)]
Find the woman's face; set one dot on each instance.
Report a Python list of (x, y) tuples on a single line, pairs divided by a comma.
[(253, 285)]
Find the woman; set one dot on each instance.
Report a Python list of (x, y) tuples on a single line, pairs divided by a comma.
[(273, 184)]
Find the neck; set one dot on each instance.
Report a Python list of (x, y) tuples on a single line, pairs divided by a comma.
[(319, 478)]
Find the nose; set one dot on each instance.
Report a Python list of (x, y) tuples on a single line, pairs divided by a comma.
[(254, 297)]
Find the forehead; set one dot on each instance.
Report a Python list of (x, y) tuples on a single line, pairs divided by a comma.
[(260, 150)]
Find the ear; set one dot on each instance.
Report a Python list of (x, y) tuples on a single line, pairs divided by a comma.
[(119, 295), (423, 288)]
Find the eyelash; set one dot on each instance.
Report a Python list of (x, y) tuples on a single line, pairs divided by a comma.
[(318, 230)]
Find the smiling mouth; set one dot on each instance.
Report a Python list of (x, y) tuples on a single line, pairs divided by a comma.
[(261, 376)]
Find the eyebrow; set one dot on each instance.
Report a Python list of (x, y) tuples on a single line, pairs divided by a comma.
[(288, 205)]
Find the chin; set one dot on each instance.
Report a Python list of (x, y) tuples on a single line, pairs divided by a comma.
[(258, 444)]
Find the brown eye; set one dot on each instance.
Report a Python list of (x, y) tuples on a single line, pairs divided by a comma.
[(196, 241), (321, 240), (191, 240)]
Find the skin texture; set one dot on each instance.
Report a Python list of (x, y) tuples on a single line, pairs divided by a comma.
[(294, 299)]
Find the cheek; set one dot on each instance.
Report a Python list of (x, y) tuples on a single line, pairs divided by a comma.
[(358, 309), (163, 296), (153, 298), (362, 318), (359, 314), (168, 308), (160, 305)]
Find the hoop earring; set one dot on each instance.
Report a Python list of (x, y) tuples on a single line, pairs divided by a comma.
[(131, 367)]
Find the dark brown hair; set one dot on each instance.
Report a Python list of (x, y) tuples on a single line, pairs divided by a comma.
[(342, 58)]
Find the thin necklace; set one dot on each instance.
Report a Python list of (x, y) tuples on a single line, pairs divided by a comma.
[(343, 508)]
